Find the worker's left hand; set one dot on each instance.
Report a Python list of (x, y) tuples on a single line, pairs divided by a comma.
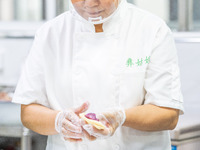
[(68, 124), (112, 120)]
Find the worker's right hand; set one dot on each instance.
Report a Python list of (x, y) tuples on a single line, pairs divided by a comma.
[(68, 124)]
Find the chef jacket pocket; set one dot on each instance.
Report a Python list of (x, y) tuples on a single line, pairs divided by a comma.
[(132, 88)]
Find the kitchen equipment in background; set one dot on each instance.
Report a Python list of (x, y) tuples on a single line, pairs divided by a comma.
[(14, 50), (11, 127), (186, 136), (6, 93)]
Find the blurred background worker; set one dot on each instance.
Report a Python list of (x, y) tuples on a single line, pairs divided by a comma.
[(105, 57)]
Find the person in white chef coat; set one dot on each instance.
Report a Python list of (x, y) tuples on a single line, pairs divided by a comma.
[(106, 57)]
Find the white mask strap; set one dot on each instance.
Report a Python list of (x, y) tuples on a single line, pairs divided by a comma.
[(97, 19)]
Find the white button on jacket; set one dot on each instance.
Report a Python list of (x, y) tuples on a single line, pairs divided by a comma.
[(133, 62)]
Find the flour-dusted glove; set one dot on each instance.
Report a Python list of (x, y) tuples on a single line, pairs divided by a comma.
[(68, 124), (112, 120)]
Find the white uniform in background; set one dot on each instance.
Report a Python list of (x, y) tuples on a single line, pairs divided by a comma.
[(133, 62)]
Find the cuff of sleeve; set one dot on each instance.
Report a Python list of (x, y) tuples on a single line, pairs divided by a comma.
[(169, 104), (27, 101)]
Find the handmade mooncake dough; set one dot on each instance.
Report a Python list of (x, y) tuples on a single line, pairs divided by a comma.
[(90, 118)]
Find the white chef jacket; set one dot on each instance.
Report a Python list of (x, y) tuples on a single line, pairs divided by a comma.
[(133, 62)]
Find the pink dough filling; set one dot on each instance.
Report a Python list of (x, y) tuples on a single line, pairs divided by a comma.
[(91, 116)]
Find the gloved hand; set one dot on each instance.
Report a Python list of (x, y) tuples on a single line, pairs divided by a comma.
[(68, 124), (112, 120)]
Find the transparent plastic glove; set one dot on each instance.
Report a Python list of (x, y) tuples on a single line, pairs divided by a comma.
[(68, 124), (112, 120)]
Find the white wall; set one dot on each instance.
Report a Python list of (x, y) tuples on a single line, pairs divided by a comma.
[(29, 9), (23, 9), (189, 62), (13, 53), (158, 7), (6, 10)]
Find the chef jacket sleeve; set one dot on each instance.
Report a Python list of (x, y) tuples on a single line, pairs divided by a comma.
[(162, 80), (31, 85)]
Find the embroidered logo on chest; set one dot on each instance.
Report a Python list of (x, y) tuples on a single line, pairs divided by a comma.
[(137, 62)]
